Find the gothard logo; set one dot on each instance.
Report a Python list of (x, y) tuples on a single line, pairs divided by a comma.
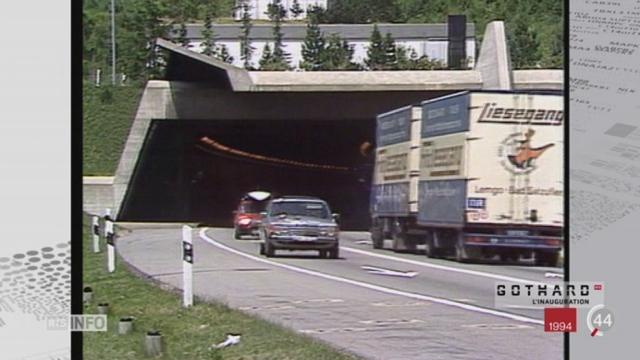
[(517, 154), (540, 295)]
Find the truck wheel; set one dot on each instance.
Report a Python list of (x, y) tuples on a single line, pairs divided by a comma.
[(463, 253), (322, 253), (399, 237), (430, 248), (550, 259), (334, 253), (377, 235)]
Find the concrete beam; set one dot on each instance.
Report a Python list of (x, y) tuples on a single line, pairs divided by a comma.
[(156, 103), (494, 62), (97, 194), (335, 81), (538, 79), (238, 77)]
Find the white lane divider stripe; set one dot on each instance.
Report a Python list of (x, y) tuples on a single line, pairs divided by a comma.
[(386, 290), (441, 267)]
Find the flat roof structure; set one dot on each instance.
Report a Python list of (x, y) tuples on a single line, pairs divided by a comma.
[(349, 32)]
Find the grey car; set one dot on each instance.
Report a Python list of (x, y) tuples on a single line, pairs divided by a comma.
[(299, 223)]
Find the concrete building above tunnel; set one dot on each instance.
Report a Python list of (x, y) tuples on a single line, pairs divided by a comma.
[(430, 40), (168, 170)]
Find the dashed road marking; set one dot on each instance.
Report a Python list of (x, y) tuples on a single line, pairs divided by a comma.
[(375, 325), (404, 304), (441, 267), (317, 301), (268, 307), (524, 307), (294, 302), (390, 322), (382, 289), (498, 326), (388, 272)]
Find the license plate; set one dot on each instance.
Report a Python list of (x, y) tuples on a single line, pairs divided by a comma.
[(517, 232), (304, 238)]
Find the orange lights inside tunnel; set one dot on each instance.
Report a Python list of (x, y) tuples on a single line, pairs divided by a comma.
[(218, 147)]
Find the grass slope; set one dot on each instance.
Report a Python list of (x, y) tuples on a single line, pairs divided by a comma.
[(108, 115), (187, 333)]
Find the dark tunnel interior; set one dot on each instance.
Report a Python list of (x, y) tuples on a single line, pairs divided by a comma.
[(180, 178)]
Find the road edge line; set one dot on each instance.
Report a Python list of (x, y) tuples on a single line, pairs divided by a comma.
[(203, 235)]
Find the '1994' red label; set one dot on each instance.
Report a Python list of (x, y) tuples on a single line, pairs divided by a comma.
[(560, 319)]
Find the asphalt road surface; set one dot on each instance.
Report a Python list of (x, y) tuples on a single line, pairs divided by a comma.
[(445, 311)]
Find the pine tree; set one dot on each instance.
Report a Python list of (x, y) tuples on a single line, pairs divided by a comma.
[(338, 55), (425, 63), (403, 59), (313, 46), (151, 13), (267, 58), (246, 50), (277, 13), (182, 38), (390, 49), (208, 44), (317, 13), (222, 53), (376, 53), (296, 10)]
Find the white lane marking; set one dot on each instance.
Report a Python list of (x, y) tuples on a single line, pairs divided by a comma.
[(524, 307), (497, 326), (405, 304), (390, 322), (364, 242), (441, 267), (386, 290), (382, 271), (268, 307), (554, 275), (374, 325), (317, 301)]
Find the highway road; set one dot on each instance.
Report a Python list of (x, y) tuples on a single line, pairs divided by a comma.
[(445, 311)]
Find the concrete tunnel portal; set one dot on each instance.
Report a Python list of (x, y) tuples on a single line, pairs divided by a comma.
[(167, 173), (196, 170)]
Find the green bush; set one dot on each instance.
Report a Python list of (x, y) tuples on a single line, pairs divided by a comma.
[(108, 114)]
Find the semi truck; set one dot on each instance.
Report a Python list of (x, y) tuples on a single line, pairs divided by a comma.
[(475, 174)]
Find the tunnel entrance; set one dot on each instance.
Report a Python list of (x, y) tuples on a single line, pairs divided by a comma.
[(197, 170)]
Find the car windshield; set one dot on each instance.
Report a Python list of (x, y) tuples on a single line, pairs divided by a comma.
[(300, 208), (251, 207)]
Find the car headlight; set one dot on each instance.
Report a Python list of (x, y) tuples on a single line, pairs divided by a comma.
[(275, 230), (328, 231)]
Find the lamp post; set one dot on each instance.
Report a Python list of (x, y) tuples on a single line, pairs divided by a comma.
[(113, 42)]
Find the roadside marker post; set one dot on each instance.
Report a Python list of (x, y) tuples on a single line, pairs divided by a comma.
[(187, 266), (96, 234), (111, 247)]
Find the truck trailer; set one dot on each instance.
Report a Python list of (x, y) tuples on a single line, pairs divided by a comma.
[(475, 174)]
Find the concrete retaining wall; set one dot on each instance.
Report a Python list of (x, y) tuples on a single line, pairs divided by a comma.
[(97, 194)]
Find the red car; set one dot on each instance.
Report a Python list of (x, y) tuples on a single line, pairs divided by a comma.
[(247, 218)]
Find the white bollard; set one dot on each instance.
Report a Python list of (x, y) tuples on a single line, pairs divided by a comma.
[(187, 267), (96, 234), (111, 246)]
